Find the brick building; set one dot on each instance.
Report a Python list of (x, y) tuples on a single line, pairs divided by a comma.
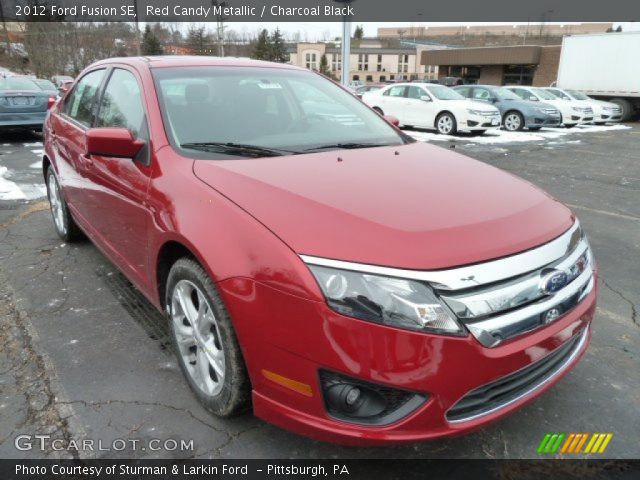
[(512, 65)]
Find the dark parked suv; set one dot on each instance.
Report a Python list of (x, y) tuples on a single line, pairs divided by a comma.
[(517, 114)]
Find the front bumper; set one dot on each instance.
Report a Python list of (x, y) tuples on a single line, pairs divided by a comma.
[(542, 120), (480, 122), (296, 338)]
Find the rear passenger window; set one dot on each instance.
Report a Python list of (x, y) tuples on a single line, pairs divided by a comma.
[(121, 103), (79, 104), (395, 91)]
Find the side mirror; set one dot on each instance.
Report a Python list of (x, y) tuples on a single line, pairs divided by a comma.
[(493, 99), (112, 142), (425, 98), (533, 98), (391, 120)]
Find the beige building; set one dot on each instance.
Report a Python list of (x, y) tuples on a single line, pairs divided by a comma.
[(519, 30), (369, 62)]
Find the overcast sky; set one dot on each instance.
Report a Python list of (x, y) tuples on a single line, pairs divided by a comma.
[(321, 30)]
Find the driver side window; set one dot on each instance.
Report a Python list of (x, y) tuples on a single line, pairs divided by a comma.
[(121, 103)]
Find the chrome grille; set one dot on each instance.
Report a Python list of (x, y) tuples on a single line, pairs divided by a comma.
[(518, 304)]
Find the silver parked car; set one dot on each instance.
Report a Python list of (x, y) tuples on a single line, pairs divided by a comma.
[(23, 104)]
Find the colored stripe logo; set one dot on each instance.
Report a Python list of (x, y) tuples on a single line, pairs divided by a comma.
[(568, 443)]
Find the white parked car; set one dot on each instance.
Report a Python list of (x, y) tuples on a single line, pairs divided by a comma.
[(572, 112), (603, 112), (434, 107)]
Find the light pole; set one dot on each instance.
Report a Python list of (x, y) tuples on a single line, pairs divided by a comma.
[(345, 47), (220, 26)]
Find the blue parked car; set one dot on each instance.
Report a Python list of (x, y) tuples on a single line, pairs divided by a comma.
[(517, 114), (23, 104)]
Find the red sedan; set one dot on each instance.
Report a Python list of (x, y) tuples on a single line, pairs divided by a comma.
[(313, 261)]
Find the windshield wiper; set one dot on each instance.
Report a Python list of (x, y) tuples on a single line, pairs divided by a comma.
[(231, 148), (346, 146)]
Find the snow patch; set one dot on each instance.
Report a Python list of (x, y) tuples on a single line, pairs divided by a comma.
[(8, 189), (493, 137)]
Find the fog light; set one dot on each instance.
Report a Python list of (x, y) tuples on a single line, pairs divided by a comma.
[(366, 403)]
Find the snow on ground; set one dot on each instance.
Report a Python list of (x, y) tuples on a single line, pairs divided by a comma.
[(492, 137), (8, 189)]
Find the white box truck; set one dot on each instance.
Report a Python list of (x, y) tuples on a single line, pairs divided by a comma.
[(605, 66)]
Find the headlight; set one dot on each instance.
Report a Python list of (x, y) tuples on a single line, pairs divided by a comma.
[(576, 109), (540, 110), (396, 302), (476, 112)]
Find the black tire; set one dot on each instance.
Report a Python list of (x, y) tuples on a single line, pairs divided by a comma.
[(513, 121), (625, 106), (235, 394), (379, 110), (452, 122), (63, 221)]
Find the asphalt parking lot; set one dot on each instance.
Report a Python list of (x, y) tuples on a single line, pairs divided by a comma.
[(83, 355)]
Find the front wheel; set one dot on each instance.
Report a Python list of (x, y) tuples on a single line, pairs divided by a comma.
[(513, 122), (446, 124), (205, 341), (63, 222)]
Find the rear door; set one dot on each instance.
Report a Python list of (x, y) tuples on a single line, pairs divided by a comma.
[(68, 126), (116, 204), (394, 102)]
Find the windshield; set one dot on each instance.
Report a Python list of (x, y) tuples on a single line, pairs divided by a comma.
[(17, 83), (504, 94), (208, 108), (443, 93), (544, 94), (578, 95)]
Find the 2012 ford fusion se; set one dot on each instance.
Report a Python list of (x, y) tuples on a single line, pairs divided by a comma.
[(314, 262)]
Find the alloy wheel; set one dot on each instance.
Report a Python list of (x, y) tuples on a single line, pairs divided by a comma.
[(445, 124), (512, 122), (198, 337), (57, 205)]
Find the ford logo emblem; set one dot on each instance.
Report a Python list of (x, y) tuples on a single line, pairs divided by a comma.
[(553, 281)]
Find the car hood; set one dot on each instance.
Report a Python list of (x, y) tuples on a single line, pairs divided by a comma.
[(524, 105), (469, 104), (414, 206)]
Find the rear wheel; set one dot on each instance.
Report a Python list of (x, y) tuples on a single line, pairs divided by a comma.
[(205, 341), (63, 222), (379, 110), (446, 124), (513, 121)]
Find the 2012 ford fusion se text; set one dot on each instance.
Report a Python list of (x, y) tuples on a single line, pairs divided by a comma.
[(316, 264)]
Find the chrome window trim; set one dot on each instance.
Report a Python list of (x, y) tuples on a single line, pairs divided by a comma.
[(472, 275), (561, 368)]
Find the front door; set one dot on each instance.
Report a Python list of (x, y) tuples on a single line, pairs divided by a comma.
[(118, 209)]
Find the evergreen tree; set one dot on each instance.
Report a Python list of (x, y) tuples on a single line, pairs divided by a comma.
[(150, 43), (324, 66), (359, 33), (262, 48), (278, 48)]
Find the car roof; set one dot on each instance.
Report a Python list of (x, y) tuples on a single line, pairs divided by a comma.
[(162, 61)]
